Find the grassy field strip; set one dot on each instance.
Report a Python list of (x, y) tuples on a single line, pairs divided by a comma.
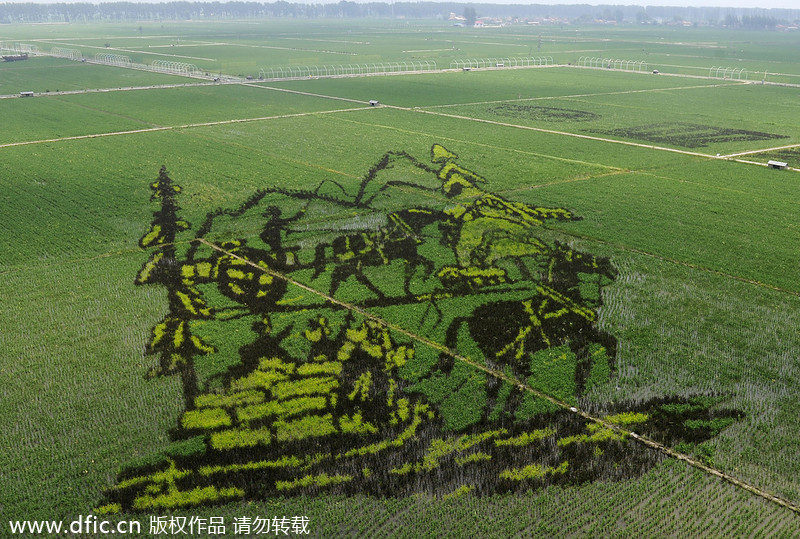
[(751, 152), (697, 267), (190, 44), (59, 263), (297, 161), (78, 137), (520, 45), (304, 93), (250, 46), (554, 132), (490, 146), (429, 50), (109, 113), (576, 96), (523, 387), (264, 118), (286, 37), (124, 89), (104, 48), (568, 180), (704, 185), (177, 127), (747, 162)]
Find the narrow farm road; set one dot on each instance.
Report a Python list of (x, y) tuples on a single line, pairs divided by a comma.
[(178, 127)]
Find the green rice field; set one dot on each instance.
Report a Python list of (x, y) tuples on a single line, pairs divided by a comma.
[(553, 300)]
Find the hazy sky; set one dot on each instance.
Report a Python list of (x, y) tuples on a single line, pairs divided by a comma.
[(764, 4)]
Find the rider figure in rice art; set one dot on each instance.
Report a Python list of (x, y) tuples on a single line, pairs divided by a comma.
[(394, 324)]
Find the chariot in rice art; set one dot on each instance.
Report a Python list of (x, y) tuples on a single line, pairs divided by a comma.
[(394, 324)]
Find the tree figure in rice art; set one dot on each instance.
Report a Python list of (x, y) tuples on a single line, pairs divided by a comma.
[(396, 325)]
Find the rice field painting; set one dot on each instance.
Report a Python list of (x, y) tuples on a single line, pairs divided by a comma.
[(380, 300), (410, 333)]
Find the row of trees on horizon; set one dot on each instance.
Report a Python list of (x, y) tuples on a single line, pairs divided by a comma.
[(755, 18)]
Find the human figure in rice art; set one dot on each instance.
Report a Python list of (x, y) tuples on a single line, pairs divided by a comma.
[(412, 332)]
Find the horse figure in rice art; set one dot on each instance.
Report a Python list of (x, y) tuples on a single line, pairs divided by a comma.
[(394, 322)]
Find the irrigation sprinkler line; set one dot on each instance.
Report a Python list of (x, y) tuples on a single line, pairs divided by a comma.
[(644, 440)]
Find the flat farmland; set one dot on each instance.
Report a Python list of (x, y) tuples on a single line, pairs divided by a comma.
[(290, 318), (60, 116), (488, 85), (45, 75)]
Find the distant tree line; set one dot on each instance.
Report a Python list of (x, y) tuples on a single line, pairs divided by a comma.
[(755, 22), (133, 11)]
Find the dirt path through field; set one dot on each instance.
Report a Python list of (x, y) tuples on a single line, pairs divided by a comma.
[(503, 124), (512, 125), (764, 150), (107, 90), (561, 133), (416, 110), (576, 96), (298, 92), (178, 127)]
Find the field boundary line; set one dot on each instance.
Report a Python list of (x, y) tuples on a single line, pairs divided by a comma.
[(690, 265), (103, 48), (275, 47), (311, 94), (751, 152), (120, 89), (27, 266), (519, 385), (180, 127), (576, 96), (594, 138), (79, 137), (711, 187), (263, 118), (748, 162), (584, 178), (491, 146), (554, 132)]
